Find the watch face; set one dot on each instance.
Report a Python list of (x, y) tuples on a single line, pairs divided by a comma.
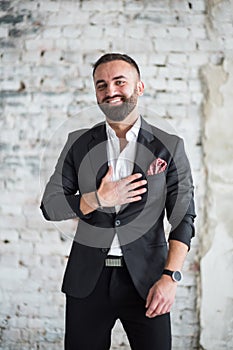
[(177, 276)]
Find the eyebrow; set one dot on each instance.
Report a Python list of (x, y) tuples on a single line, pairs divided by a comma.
[(115, 78)]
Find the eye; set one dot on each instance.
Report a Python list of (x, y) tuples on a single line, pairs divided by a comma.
[(120, 82), (101, 87)]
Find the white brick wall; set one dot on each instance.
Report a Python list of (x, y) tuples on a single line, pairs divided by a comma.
[(47, 49)]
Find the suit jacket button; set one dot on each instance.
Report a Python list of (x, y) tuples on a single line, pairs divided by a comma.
[(104, 250), (117, 223)]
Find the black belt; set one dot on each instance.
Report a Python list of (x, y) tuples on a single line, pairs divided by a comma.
[(114, 261)]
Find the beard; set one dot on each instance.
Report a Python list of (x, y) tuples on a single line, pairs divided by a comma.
[(119, 113)]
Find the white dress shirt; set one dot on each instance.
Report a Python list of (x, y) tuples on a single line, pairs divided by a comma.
[(122, 163)]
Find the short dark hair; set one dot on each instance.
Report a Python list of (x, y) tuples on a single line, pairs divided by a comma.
[(108, 57)]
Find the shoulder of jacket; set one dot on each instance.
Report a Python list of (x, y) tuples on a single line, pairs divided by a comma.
[(165, 137)]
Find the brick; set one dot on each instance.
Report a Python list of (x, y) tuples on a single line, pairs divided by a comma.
[(178, 32), (210, 46), (90, 44), (181, 6), (177, 85), (177, 59), (177, 111), (89, 6), (52, 33), (51, 6), (13, 334), (175, 45), (159, 33), (10, 85), (52, 56), (199, 33), (44, 249), (10, 19), (27, 5), (64, 18), (60, 44), (155, 18), (9, 235), (197, 59), (133, 6), (93, 32), (194, 85), (199, 5), (10, 56), (180, 98), (157, 59), (10, 260), (3, 32), (8, 273), (39, 44), (71, 32), (157, 83), (149, 71), (159, 5), (115, 32), (173, 72), (136, 32)]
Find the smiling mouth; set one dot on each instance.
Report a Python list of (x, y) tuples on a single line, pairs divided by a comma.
[(114, 101)]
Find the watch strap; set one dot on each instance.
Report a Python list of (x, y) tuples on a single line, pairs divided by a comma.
[(175, 275)]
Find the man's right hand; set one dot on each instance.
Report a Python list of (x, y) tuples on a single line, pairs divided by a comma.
[(126, 190)]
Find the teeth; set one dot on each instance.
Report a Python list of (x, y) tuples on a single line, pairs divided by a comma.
[(115, 100)]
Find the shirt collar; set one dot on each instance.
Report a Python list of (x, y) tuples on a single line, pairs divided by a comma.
[(131, 134)]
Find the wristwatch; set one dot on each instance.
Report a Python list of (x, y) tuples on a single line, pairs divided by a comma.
[(175, 275)]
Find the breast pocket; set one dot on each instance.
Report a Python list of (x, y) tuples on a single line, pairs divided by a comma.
[(156, 195), (156, 185)]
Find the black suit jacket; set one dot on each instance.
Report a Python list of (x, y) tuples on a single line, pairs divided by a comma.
[(139, 226)]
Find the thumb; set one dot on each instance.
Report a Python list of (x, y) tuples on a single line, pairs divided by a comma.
[(149, 298), (108, 176)]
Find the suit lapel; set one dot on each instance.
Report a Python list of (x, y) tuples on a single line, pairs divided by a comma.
[(144, 154), (97, 152)]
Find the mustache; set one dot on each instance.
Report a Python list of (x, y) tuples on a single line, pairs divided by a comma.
[(108, 98)]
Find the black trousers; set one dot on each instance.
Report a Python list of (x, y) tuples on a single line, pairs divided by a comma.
[(89, 320)]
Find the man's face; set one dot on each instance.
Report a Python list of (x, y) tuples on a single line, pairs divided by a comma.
[(117, 88)]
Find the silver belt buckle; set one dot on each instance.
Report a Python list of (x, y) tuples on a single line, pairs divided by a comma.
[(114, 262)]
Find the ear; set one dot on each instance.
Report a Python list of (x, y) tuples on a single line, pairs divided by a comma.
[(140, 88)]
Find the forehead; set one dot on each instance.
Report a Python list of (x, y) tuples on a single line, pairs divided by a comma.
[(109, 70)]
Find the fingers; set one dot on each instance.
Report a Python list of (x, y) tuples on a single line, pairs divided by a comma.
[(123, 191), (158, 308), (127, 195), (151, 305), (132, 194), (132, 186), (160, 299), (133, 177)]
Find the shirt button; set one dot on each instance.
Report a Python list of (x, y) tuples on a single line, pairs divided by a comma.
[(117, 223)]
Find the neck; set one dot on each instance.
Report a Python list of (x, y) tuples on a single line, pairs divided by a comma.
[(121, 128)]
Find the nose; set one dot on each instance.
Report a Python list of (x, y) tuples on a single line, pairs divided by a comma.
[(110, 90)]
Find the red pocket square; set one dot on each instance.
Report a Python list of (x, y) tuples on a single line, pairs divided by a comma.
[(157, 166)]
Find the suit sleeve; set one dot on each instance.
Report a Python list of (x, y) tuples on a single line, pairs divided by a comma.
[(180, 203), (61, 198)]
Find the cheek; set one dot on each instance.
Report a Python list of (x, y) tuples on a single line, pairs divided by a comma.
[(127, 92), (99, 96)]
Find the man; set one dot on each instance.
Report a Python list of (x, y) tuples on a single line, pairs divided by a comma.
[(118, 178)]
